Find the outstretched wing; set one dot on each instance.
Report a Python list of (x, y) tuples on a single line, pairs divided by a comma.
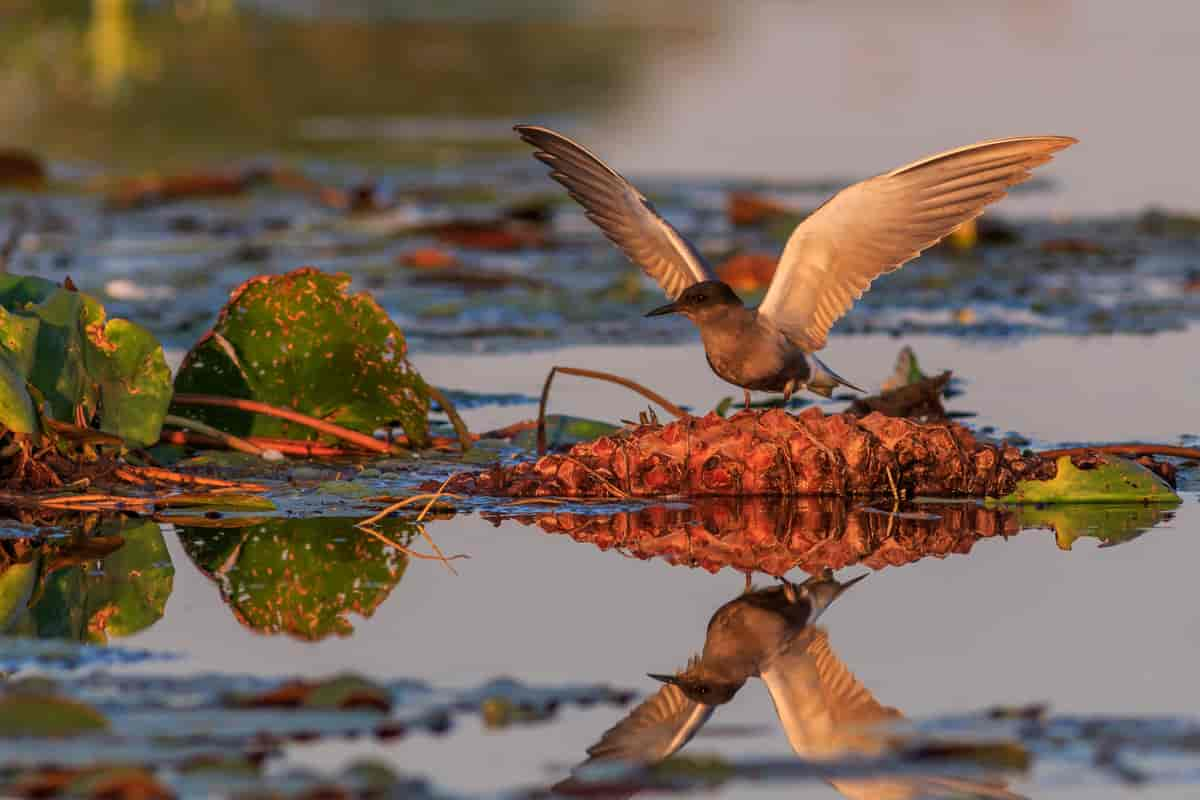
[(876, 226), (620, 210), (653, 731), (826, 711)]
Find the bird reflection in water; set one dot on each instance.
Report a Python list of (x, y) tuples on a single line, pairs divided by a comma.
[(771, 634)]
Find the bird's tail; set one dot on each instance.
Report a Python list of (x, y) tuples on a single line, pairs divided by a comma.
[(823, 380)]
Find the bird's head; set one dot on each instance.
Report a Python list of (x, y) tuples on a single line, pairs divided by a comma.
[(699, 688), (701, 301)]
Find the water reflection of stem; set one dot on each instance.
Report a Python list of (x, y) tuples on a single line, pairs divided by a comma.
[(413, 553)]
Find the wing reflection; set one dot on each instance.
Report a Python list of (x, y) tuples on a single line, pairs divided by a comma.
[(824, 710), (775, 535)]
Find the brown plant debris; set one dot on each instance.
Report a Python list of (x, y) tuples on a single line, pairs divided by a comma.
[(919, 400), (771, 453)]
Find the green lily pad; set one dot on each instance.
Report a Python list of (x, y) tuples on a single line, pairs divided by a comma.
[(1115, 480), (300, 341), (16, 406), (17, 582), (563, 430), (45, 715), (300, 577), (59, 341), (127, 594)]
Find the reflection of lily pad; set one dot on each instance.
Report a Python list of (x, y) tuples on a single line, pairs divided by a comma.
[(17, 582), (302, 342), (59, 341), (301, 577), (1113, 480), (1110, 524), (127, 594)]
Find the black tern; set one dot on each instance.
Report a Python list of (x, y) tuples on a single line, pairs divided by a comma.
[(824, 710), (831, 258)]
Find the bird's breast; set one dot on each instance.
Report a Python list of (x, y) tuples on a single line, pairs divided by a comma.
[(754, 358)]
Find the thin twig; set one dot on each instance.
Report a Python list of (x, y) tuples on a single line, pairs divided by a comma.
[(1126, 450), (614, 489), (410, 552), (408, 501), (169, 476), (227, 439), (649, 394), (440, 491), (253, 406)]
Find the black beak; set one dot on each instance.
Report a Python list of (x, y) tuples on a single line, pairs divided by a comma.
[(671, 679), (669, 308)]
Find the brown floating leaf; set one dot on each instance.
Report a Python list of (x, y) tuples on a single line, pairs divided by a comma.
[(22, 169), (919, 400), (748, 272), (499, 235), (155, 189), (749, 208), (771, 453), (342, 692), (476, 279), (428, 258)]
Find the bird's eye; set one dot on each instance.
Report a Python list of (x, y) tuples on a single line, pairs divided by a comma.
[(702, 690), (700, 298)]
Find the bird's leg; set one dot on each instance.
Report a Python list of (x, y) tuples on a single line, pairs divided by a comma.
[(746, 392), (789, 589), (749, 583)]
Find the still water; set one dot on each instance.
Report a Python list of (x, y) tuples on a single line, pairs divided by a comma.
[(699, 98), (1017, 620)]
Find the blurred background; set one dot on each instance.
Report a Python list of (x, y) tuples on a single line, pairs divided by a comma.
[(787, 89)]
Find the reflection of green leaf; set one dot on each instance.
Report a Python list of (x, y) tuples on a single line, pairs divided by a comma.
[(1117, 480), (300, 341), (301, 577), (59, 341), (17, 582), (128, 593), (1110, 524)]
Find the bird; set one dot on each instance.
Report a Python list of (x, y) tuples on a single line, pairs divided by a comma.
[(830, 259), (825, 711), (740, 634)]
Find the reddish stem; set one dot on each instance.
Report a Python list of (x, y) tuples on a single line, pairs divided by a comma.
[(1127, 450), (360, 440)]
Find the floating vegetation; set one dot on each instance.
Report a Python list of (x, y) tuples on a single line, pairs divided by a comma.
[(776, 453)]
